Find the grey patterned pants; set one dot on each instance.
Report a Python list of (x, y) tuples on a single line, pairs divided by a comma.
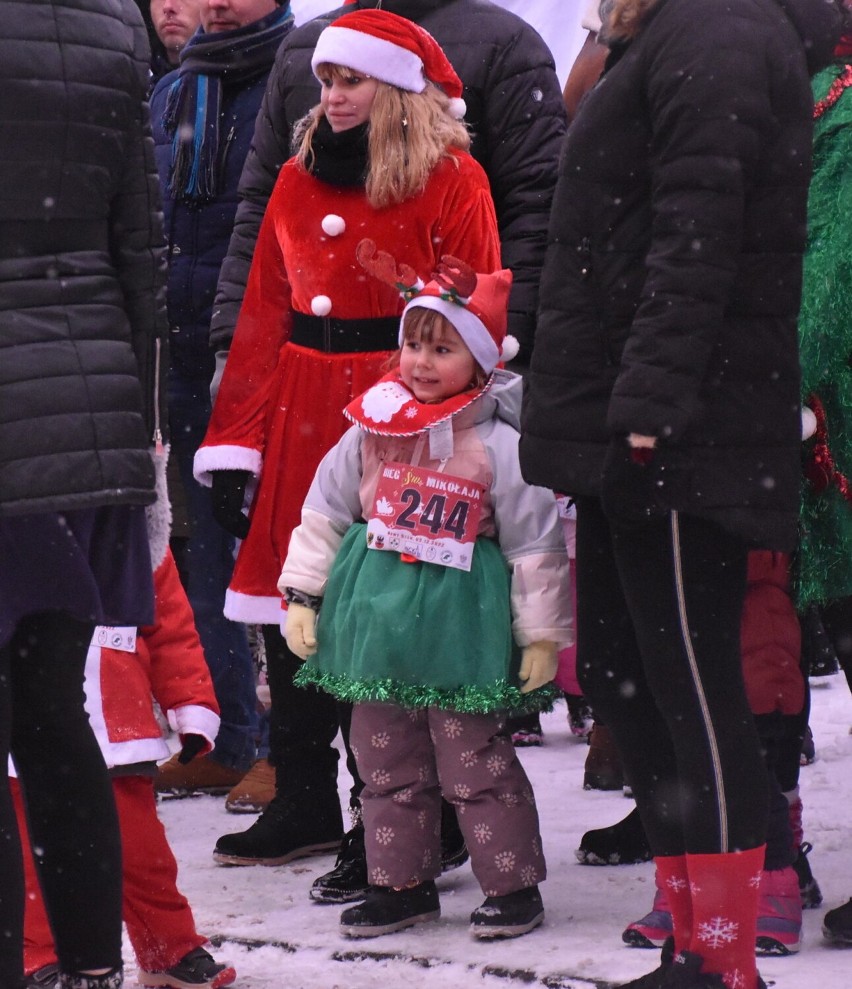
[(408, 758)]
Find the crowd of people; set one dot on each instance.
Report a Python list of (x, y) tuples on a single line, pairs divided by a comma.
[(468, 390)]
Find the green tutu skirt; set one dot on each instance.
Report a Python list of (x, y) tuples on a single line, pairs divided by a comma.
[(418, 634)]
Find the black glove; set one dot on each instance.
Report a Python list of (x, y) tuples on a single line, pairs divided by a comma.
[(192, 745), (229, 489), (631, 483)]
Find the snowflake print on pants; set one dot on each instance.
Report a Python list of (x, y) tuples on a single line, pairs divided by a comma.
[(718, 932)]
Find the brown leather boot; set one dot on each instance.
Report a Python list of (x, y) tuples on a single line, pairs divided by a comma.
[(202, 775), (603, 763)]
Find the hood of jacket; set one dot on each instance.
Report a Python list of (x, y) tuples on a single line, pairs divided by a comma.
[(819, 23)]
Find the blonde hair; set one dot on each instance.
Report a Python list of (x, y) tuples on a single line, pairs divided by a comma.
[(409, 134), (430, 326)]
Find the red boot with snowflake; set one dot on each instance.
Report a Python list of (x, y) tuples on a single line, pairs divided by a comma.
[(724, 890)]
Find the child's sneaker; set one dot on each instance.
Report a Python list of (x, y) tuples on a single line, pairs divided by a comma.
[(779, 913), (655, 928), (580, 716), (46, 977), (386, 910), (525, 730), (809, 889), (196, 970), (508, 916)]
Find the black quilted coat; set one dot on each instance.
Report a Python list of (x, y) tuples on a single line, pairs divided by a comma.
[(514, 109), (671, 286), (81, 258)]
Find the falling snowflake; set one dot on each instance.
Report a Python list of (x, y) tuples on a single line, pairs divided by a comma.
[(482, 833), (496, 765), (452, 727), (677, 884), (403, 796), (381, 777), (462, 790), (384, 836), (505, 861), (718, 931), (380, 877), (469, 758), (381, 740)]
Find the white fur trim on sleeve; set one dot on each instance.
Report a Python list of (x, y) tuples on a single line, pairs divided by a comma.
[(225, 457), (193, 719)]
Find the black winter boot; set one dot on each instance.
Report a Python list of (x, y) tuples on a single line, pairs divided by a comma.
[(347, 881), (386, 910), (453, 848), (623, 843), (809, 889), (684, 972), (288, 829), (837, 924), (510, 915), (655, 979)]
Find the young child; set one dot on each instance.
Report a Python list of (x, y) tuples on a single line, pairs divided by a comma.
[(420, 604), (124, 668)]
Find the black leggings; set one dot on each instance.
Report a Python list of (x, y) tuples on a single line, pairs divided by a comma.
[(68, 798), (658, 623)]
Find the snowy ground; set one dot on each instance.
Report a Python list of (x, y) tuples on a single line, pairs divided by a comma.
[(578, 947)]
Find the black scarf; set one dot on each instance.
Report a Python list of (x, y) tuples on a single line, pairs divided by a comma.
[(194, 104), (342, 158)]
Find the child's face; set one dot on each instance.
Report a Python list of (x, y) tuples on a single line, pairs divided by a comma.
[(437, 368)]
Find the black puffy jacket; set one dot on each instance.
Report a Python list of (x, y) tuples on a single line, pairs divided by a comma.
[(515, 112), (671, 287), (82, 272)]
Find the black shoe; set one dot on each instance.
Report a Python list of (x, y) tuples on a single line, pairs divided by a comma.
[(655, 979), (837, 924), (198, 969), (286, 830), (347, 881), (386, 910), (453, 848), (684, 972), (623, 843), (808, 887), (508, 916), (46, 977)]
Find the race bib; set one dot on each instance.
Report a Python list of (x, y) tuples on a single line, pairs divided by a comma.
[(427, 515), (120, 637)]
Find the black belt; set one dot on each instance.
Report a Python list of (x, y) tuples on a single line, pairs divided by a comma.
[(345, 336)]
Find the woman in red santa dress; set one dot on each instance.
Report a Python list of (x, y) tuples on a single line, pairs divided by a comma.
[(383, 156)]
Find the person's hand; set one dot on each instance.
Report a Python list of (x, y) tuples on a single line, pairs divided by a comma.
[(229, 489), (192, 745), (630, 480), (538, 665), (300, 630)]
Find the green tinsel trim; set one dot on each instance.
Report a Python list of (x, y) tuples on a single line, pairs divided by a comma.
[(467, 700)]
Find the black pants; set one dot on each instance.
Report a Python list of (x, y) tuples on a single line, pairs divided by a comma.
[(303, 723), (658, 624), (68, 798)]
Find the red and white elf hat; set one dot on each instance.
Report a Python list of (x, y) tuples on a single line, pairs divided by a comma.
[(392, 49), (479, 319)]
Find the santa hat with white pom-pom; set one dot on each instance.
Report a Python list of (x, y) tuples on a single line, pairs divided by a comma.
[(391, 49), (476, 305)]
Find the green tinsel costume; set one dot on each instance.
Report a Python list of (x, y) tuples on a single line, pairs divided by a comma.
[(824, 565)]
